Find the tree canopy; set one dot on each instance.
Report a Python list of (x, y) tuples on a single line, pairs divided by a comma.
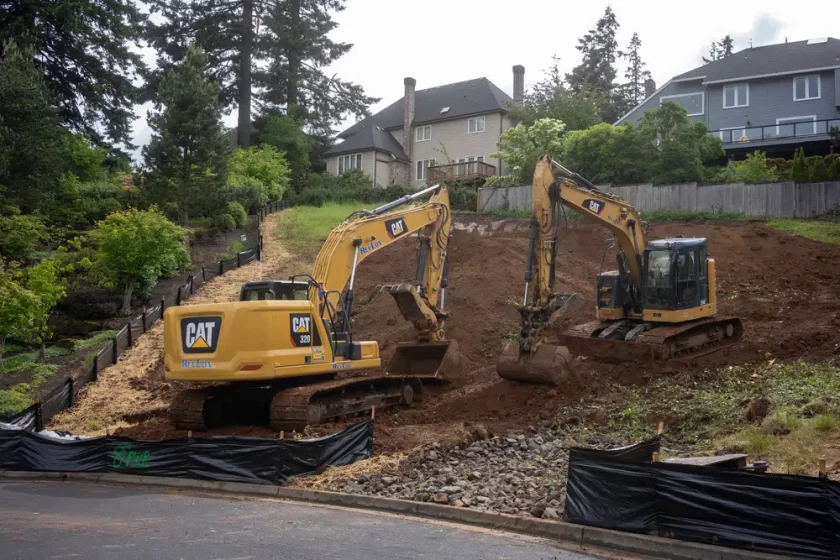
[(522, 145), (83, 49)]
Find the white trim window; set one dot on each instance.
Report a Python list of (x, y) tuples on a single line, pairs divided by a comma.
[(796, 126), (693, 103), (346, 163), (736, 95), (422, 169), (475, 125), (423, 133), (806, 88), (732, 134)]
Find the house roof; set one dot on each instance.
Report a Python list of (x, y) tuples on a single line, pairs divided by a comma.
[(471, 97), (784, 58)]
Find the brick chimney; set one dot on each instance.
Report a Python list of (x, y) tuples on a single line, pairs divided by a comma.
[(650, 87), (408, 116), (518, 84)]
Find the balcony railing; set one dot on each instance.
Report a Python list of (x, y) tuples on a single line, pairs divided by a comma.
[(463, 171), (786, 129)]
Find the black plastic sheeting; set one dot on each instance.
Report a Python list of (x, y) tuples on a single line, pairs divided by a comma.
[(232, 459), (781, 514)]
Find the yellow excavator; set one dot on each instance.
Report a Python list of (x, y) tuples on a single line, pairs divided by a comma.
[(275, 353), (660, 303)]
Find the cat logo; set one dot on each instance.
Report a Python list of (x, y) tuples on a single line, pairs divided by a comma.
[(594, 206), (395, 228), (301, 330), (200, 334)]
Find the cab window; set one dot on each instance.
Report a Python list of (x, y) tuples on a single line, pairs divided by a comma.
[(688, 272)]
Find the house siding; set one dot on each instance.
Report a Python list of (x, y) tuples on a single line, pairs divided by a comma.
[(368, 162), (769, 99), (452, 137)]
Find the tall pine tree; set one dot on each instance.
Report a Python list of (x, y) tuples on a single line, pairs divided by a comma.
[(276, 49), (720, 49), (636, 74), (596, 73), (82, 46), (30, 138), (187, 156)]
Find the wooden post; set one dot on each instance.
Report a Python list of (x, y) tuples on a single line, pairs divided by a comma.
[(222, 266), (162, 307), (238, 259), (70, 392), (144, 318), (656, 456), (115, 349), (191, 283), (372, 412), (177, 297), (39, 417), (661, 428), (95, 366), (822, 466), (203, 275), (282, 433), (130, 335)]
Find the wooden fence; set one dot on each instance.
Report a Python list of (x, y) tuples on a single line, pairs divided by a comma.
[(39, 414), (768, 200)]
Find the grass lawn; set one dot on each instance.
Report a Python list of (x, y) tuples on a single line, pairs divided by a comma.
[(304, 228), (827, 232)]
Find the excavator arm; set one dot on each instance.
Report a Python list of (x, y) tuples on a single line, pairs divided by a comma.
[(368, 231)]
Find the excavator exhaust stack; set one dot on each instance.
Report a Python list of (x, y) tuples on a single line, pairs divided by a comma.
[(547, 365), (439, 358)]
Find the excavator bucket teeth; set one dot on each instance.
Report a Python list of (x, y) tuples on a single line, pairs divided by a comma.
[(548, 365), (439, 358)]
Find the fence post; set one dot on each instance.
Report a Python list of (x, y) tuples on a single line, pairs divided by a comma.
[(203, 275), (259, 249), (144, 319), (222, 266), (130, 335), (162, 307), (238, 259), (191, 283), (95, 366), (177, 298), (70, 392), (39, 417), (116, 351)]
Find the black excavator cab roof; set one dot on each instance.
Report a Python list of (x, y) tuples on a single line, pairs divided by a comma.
[(676, 243), (274, 289)]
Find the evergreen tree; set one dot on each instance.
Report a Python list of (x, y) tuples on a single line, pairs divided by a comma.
[(720, 49), (596, 72), (186, 159), (279, 46), (834, 169), (799, 171), (819, 171), (636, 74), (82, 46), (30, 138)]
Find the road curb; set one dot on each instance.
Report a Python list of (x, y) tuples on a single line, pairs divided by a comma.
[(647, 545)]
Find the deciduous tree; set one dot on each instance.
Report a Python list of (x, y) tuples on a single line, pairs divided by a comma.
[(522, 145)]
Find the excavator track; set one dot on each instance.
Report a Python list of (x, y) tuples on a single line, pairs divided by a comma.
[(662, 342), (294, 408)]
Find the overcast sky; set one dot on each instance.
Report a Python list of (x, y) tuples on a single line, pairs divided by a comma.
[(443, 41)]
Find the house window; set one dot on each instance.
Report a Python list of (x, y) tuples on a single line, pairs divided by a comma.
[(732, 135), (796, 126), (736, 96), (423, 169), (346, 163), (806, 87), (693, 103), (422, 133), (475, 125)]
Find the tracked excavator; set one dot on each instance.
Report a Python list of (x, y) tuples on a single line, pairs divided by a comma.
[(660, 303), (273, 356)]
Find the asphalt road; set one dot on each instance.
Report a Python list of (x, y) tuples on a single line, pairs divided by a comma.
[(58, 520)]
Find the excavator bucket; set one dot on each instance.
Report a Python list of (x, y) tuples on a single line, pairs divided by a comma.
[(548, 365), (440, 358)]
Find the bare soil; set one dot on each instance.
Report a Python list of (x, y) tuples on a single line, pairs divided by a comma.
[(782, 287)]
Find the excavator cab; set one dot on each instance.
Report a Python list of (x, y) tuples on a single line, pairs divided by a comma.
[(676, 274)]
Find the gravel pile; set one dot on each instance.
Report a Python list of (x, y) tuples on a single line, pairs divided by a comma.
[(511, 474)]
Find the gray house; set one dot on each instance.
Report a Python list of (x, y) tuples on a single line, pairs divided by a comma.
[(428, 135), (776, 98)]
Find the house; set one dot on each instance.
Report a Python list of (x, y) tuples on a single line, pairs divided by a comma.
[(430, 134), (776, 98)]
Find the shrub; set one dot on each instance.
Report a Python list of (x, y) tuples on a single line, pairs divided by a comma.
[(754, 169), (266, 164), (834, 170), (19, 234), (464, 198), (799, 171), (223, 222), (350, 186), (819, 172), (237, 212), (248, 192), (781, 166)]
